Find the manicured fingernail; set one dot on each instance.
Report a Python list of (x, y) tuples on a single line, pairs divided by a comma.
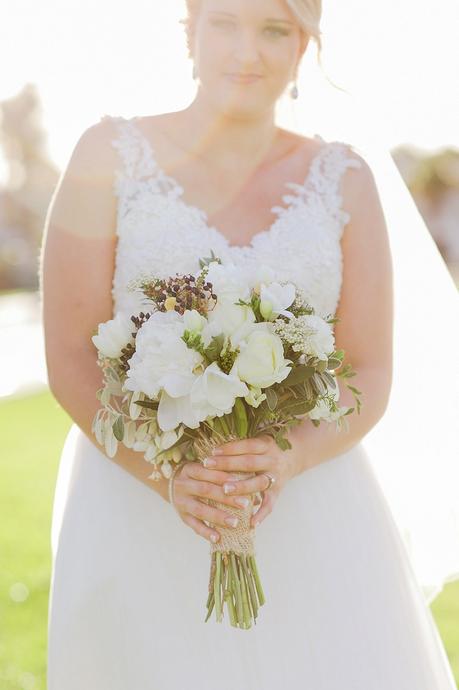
[(244, 502), (209, 462), (256, 523), (231, 521), (227, 488), (217, 451), (214, 538)]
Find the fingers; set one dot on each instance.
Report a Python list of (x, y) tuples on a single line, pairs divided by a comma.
[(267, 504), (186, 494), (244, 446), (244, 463), (219, 484), (200, 527)]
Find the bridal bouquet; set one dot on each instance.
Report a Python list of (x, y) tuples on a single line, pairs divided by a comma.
[(227, 353)]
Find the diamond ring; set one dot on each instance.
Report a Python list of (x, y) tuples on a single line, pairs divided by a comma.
[(271, 480)]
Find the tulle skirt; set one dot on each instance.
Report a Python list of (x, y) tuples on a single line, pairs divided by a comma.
[(129, 585)]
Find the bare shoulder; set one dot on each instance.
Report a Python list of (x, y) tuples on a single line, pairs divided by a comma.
[(358, 185), (93, 154), (83, 201)]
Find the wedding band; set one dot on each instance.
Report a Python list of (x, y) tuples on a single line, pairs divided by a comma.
[(271, 480)]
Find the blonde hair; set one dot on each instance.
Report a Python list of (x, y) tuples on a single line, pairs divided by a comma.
[(307, 12)]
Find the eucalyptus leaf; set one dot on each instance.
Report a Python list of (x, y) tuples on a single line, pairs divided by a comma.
[(271, 398), (300, 408), (329, 378), (333, 363), (317, 378), (118, 428), (298, 375), (150, 404)]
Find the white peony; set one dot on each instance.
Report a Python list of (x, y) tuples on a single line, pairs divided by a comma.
[(319, 340), (113, 335), (275, 298), (162, 359), (261, 360)]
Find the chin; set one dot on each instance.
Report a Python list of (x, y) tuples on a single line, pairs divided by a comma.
[(248, 109)]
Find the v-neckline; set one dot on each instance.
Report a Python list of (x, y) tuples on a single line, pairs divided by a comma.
[(179, 191)]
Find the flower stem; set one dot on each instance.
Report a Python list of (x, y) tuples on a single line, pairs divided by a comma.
[(261, 596), (249, 578), (217, 583)]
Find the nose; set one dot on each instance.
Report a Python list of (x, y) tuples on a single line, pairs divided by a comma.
[(246, 47)]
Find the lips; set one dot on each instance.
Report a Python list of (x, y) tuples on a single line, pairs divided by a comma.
[(243, 78)]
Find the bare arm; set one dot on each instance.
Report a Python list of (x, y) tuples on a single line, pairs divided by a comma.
[(76, 273), (365, 329)]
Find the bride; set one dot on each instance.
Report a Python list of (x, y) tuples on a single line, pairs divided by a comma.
[(156, 193)]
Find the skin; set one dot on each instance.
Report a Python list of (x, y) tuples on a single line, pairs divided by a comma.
[(234, 169)]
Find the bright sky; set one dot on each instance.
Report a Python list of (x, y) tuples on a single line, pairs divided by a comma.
[(91, 58)]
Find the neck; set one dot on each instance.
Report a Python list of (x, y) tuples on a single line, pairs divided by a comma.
[(218, 137)]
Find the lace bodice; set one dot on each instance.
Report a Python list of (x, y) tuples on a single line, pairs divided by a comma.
[(158, 233)]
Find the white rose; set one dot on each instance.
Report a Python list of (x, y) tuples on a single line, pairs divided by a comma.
[(162, 359), (217, 389), (261, 360), (113, 335), (320, 341)]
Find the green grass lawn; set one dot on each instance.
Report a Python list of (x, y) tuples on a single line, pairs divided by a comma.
[(32, 435)]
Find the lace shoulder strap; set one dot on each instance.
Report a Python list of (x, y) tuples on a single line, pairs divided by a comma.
[(326, 174), (136, 162)]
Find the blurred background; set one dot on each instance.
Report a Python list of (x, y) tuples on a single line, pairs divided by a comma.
[(64, 66)]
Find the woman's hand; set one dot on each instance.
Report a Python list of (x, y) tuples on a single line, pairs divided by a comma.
[(193, 482), (261, 454)]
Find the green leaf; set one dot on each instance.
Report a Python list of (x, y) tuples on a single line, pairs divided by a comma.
[(283, 443), (240, 417), (118, 428), (212, 352), (151, 404), (298, 375), (333, 363), (299, 408), (271, 398), (353, 389)]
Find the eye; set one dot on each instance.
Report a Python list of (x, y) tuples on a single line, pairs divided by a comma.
[(222, 23), (276, 31)]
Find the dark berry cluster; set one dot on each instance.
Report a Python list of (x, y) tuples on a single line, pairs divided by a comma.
[(128, 351), (179, 292)]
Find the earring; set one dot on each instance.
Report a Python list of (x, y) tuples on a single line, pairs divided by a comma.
[(294, 91), (195, 72)]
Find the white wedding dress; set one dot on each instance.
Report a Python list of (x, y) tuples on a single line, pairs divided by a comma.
[(129, 581)]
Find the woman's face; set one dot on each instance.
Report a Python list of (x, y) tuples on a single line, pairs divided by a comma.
[(246, 52)]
